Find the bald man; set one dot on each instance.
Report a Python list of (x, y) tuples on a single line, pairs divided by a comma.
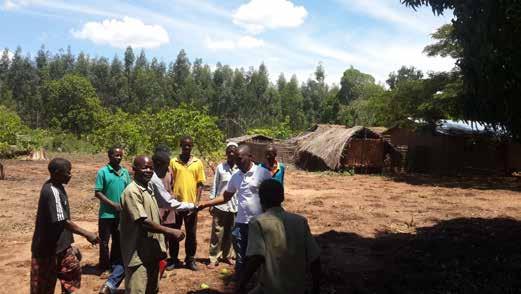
[(244, 183), (142, 236)]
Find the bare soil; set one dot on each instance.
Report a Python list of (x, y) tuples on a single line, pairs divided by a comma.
[(408, 234)]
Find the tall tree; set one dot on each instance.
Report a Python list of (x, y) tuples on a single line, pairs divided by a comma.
[(488, 32), (129, 67), (71, 104), (403, 74)]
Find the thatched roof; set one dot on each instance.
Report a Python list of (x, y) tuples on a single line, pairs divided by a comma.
[(327, 142), (250, 138)]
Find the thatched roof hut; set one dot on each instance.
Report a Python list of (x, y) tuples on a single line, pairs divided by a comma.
[(335, 147)]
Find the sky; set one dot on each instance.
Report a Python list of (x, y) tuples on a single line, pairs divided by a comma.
[(290, 37)]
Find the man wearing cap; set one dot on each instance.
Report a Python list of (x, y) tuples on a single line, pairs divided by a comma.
[(224, 214)]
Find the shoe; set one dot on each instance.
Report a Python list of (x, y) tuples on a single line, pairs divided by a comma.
[(228, 261), (173, 265), (190, 264), (105, 289), (104, 275)]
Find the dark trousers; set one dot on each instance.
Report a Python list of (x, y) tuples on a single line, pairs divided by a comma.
[(107, 228), (240, 244), (190, 221)]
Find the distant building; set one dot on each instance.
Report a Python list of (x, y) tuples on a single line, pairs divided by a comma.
[(453, 147), (337, 147)]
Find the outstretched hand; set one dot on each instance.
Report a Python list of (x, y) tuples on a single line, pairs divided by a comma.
[(177, 234), (92, 238)]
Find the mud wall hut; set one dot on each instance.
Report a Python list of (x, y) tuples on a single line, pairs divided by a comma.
[(257, 144), (337, 147), (454, 147)]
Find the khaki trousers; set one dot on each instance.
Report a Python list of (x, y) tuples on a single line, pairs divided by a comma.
[(142, 279), (221, 237)]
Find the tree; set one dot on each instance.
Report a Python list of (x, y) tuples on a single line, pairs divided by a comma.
[(180, 73), (171, 124), (292, 104), (403, 74), (488, 32), (125, 130), (446, 43), (129, 66), (353, 84), (71, 104), (82, 65)]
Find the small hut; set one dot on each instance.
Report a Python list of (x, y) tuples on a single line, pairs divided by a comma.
[(257, 144), (336, 147)]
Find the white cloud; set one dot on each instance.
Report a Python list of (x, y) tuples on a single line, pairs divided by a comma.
[(244, 42), (16, 4), (122, 33), (377, 57), (421, 20), (258, 15)]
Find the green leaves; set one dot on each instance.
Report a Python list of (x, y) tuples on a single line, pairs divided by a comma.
[(488, 32)]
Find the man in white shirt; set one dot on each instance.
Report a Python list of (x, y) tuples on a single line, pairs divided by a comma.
[(224, 214), (244, 183), (167, 204)]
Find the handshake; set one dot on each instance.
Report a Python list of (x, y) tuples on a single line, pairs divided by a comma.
[(202, 205)]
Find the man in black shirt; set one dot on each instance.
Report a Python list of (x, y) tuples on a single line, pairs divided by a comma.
[(53, 257)]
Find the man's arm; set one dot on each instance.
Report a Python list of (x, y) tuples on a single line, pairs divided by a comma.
[(252, 265), (215, 187), (200, 187), (315, 275), (216, 201), (91, 237), (153, 227), (107, 201)]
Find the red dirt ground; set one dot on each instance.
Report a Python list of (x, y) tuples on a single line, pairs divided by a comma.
[(378, 234)]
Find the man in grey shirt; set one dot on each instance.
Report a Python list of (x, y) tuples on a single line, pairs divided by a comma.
[(224, 214), (167, 204)]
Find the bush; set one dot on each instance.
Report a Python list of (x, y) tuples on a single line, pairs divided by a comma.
[(280, 131), (67, 142), (140, 133), (11, 127), (170, 125), (124, 130)]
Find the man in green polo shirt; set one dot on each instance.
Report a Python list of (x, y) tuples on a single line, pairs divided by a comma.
[(111, 180)]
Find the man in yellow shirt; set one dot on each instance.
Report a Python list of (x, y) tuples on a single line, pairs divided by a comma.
[(188, 177)]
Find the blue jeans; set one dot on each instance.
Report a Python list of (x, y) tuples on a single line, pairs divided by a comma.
[(240, 244), (116, 276)]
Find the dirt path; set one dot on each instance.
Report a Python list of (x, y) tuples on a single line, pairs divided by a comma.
[(377, 234)]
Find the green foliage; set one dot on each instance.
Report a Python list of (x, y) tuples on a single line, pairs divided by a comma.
[(279, 131), (355, 84), (446, 43), (66, 142), (71, 104), (168, 126), (125, 130), (488, 32), (11, 126)]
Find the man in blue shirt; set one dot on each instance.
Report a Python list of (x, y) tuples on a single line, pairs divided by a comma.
[(276, 168)]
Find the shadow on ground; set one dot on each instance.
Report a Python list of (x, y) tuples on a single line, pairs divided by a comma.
[(463, 182), (464, 255)]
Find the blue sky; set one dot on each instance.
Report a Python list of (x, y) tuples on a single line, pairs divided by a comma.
[(375, 36)]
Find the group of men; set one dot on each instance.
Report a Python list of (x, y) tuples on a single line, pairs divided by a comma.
[(144, 216)]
